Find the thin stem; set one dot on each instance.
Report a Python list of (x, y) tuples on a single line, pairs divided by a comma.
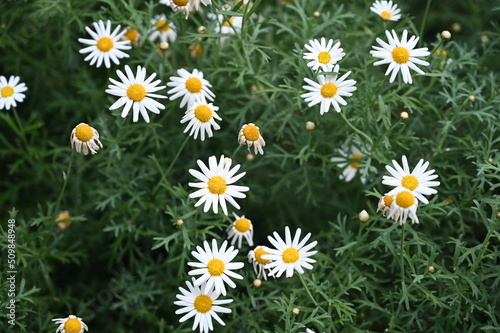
[(309, 292), (235, 151), (402, 254), (355, 129), (422, 26), (65, 183)]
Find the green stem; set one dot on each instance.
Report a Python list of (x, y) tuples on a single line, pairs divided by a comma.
[(402, 254), (355, 129), (21, 132), (309, 292), (65, 183), (235, 151), (422, 26)]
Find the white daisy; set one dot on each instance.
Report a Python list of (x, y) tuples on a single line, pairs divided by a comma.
[(259, 264), (202, 305), (216, 184), (201, 116), (162, 29), (250, 135), (289, 255), (72, 324), (386, 9), (400, 55), (188, 85), (241, 227), (419, 181), (215, 267), (132, 35), (85, 138), (329, 91), (403, 205), (185, 6), (348, 161), (384, 205), (323, 55), (136, 92), (11, 91), (104, 45), (226, 25)]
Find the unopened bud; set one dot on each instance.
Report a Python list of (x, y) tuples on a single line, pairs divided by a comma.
[(404, 115), (295, 311), (472, 98), (456, 27), (431, 269), (446, 34), (201, 30), (164, 46), (257, 283), (363, 216), (310, 126), (250, 157), (179, 222), (316, 13)]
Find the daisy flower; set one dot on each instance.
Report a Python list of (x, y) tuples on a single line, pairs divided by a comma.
[(419, 181), (201, 116), (384, 205), (11, 91), (250, 135), (215, 267), (202, 305), (216, 184), (63, 220), (227, 26), (400, 55), (323, 55), (386, 9), (348, 161), (104, 45), (241, 227), (328, 91), (85, 138), (131, 35), (72, 324), (289, 255), (403, 205), (163, 30), (259, 264), (188, 85), (135, 92)]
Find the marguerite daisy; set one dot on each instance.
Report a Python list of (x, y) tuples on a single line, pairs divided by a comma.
[(403, 205), (216, 184), (132, 35), (104, 45), (329, 91), (227, 26), (400, 55), (135, 92), (162, 29), (188, 85), (259, 264), (72, 324), (11, 91), (85, 138), (202, 305), (201, 116), (386, 9), (241, 227), (289, 255), (250, 135), (384, 205), (323, 55), (348, 161), (215, 267), (419, 181)]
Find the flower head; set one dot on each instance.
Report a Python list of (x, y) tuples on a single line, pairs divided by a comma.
[(11, 91), (384, 205), (104, 45), (162, 29), (250, 135), (216, 184), (189, 85), (227, 25), (404, 205), (201, 117), (349, 160), (136, 92), (322, 55), (259, 264), (72, 324), (202, 305), (386, 9), (241, 227), (401, 55), (289, 255), (63, 220), (329, 91), (418, 182), (85, 138), (215, 267), (132, 35)]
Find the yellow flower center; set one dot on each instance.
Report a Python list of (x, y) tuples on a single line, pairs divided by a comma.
[(216, 267), (105, 44), (203, 303), (226, 23), (259, 252), (217, 185), (193, 85), (162, 25), (355, 165), (7, 91), (180, 2), (328, 90), (136, 92), (132, 35), (290, 255), (400, 55), (203, 113), (251, 132), (324, 57), (198, 50), (410, 182), (242, 225), (72, 325), (84, 132), (405, 199), (63, 216), (388, 200), (385, 15)]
